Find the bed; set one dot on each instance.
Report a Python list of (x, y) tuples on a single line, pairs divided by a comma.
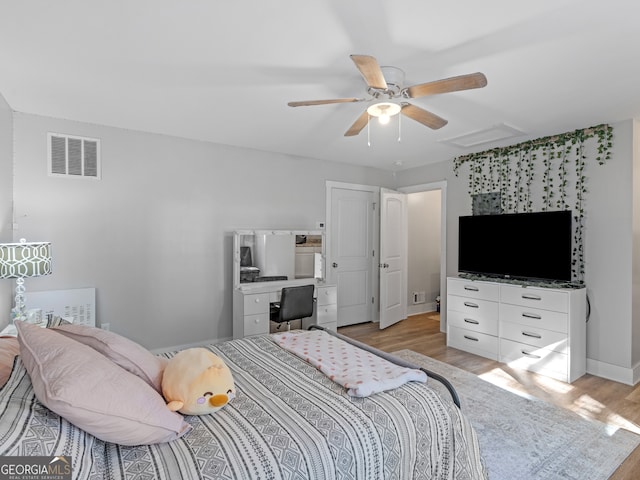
[(287, 421)]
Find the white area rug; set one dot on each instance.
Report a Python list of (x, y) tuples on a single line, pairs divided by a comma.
[(522, 438)]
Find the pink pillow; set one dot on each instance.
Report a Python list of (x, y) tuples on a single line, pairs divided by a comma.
[(93, 393), (128, 354), (8, 350)]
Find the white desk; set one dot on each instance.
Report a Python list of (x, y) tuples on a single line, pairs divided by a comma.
[(251, 306)]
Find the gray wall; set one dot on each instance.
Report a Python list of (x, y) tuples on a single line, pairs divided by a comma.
[(608, 253), (635, 353), (609, 248), (154, 236), (6, 201)]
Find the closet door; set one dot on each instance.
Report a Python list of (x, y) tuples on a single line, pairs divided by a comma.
[(349, 263)]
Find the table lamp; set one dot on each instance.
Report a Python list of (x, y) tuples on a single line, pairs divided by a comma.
[(21, 260)]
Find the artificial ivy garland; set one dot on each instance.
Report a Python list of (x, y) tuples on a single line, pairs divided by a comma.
[(511, 171)]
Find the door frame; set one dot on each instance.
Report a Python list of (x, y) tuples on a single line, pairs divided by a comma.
[(442, 186), (374, 311)]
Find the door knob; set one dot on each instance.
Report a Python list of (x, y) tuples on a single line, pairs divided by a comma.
[(334, 265)]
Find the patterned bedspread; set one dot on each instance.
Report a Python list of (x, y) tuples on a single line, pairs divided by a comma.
[(288, 421)]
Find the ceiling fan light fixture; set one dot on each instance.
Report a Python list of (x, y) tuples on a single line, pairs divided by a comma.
[(387, 82), (384, 111)]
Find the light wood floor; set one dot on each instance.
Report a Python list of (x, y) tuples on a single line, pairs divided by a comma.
[(590, 396)]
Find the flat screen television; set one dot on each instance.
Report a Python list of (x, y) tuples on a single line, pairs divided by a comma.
[(533, 246)]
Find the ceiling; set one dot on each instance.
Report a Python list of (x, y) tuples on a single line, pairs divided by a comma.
[(223, 72)]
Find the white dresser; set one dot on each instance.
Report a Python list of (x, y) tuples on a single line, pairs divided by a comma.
[(251, 307), (538, 329)]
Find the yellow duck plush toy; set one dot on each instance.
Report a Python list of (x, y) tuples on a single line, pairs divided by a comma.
[(197, 382)]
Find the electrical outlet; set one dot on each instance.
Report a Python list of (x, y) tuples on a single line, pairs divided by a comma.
[(105, 326)]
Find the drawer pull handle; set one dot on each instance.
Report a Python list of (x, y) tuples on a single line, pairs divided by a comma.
[(471, 338), (531, 297), (471, 289), (257, 320), (532, 335), (531, 315), (257, 300), (471, 305), (530, 355), (472, 321)]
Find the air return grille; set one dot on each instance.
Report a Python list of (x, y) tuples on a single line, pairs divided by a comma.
[(72, 156)]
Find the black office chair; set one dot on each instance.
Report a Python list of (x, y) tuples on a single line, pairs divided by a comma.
[(295, 303)]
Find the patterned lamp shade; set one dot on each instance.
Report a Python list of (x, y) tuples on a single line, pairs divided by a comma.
[(21, 260)]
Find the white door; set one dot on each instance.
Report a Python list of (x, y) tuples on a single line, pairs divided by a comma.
[(393, 257), (350, 253)]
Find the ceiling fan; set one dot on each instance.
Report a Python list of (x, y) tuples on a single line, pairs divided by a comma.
[(386, 83)]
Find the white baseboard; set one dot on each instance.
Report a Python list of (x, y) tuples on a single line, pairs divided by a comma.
[(174, 348), (636, 373), (628, 376), (421, 308)]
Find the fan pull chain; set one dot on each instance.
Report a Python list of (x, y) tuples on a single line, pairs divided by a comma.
[(368, 130), (399, 128)]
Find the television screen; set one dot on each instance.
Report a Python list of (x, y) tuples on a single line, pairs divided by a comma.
[(517, 245)]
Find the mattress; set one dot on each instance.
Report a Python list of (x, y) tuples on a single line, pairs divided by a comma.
[(288, 421)]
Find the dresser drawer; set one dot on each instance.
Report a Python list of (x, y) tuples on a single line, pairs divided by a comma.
[(470, 289), (535, 317), (478, 309), (474, 342), (534, 336), (256, 303), (327, 295), (326, 314), (471, 321), (541, 360), (256, 324), (541, 298)]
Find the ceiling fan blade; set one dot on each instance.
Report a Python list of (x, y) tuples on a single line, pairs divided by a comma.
[(370, 70), (418, 114), (358, 125), (307, 103), (453, 84)]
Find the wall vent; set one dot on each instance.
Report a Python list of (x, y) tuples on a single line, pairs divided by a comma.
[(419, 297), (72, 156)]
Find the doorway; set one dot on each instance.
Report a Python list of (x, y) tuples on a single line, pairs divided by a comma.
[(427, 248), (332, 277), (423, 275)]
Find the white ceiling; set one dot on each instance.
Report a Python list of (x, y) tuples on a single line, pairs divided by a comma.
[(224, 71)]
